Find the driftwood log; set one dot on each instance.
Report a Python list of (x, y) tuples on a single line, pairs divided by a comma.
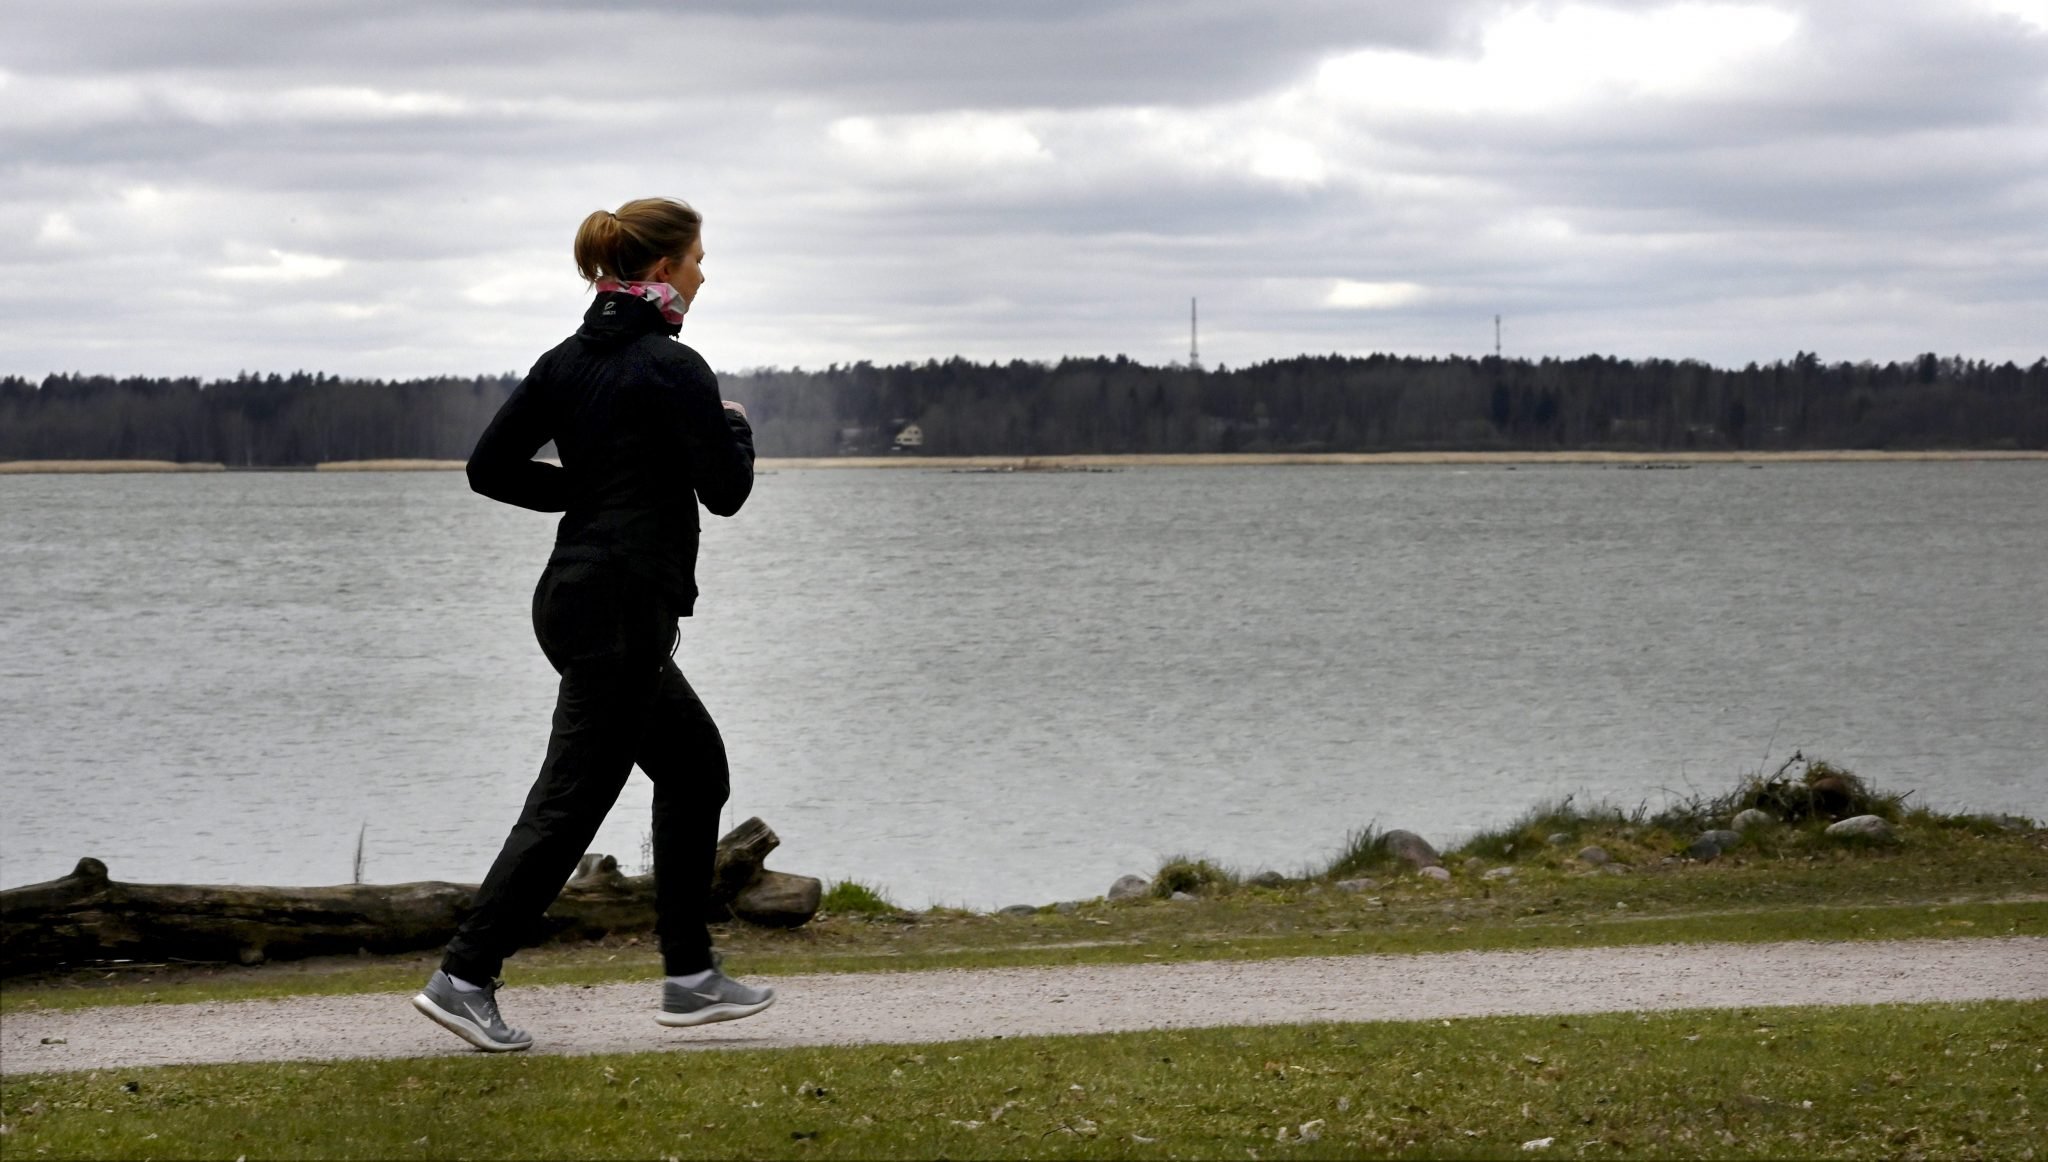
[(86, 917)]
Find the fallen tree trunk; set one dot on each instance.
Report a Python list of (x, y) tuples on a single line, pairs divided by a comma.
[(86, 917)]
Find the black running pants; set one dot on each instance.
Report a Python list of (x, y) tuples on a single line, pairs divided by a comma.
[(622, 702)]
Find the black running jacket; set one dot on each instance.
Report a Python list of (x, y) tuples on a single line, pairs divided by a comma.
[(642, 436)]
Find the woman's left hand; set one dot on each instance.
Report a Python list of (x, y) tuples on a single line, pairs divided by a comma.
[(734, 406)]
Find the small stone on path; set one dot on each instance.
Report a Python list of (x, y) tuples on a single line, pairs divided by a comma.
[(1361, 884), (1181, 897), (1594, 855), (1499, 873), (1440, 875), (1020, 910)]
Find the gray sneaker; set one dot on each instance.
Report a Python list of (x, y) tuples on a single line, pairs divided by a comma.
[(472, 1016), (720, 998)]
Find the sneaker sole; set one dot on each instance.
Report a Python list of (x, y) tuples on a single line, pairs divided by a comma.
[(709, 1014), (465, 1028)]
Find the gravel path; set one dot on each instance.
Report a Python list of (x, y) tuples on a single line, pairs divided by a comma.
[(946, 1005)]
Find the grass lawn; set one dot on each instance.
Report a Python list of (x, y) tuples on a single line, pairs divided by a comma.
[(1955, 1081), (1940, 879)]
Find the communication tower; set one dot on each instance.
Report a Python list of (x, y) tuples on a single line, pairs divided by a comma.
[(1194, 346)]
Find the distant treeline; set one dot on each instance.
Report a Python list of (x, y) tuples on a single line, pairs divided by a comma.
[(1305, 404)]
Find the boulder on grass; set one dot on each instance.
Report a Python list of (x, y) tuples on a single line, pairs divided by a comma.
[(1411, 849), (1129, 888), (1751, 819), (1868, 828)]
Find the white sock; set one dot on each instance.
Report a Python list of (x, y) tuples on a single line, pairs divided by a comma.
[(463, 986), (693, 980)]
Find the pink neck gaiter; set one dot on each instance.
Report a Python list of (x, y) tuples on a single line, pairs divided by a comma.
[(672, 304)]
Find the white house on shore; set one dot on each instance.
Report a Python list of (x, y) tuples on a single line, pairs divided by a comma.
[(910, 439)]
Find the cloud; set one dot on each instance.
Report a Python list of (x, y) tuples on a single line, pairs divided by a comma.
[(389, 187), (1372, 296), (1533, 61), (279, 266)]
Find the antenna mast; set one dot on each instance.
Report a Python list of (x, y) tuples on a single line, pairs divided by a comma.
[(1496, 336), (1194, 347)]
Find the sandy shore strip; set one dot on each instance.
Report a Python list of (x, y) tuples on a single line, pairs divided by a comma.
[(391, 466), (1367, 459), (916, 1007), (23, 467), (1080, 463)]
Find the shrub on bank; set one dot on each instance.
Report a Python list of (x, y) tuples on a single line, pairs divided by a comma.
[(853, 898), (1802, 798), (1194, 876)]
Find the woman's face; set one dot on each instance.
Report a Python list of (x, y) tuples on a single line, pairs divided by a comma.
[(685, 274)]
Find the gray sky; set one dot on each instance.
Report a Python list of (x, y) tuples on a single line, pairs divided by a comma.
[(389, 187)]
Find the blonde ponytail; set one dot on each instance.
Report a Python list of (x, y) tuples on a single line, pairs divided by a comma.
[(626, 244)]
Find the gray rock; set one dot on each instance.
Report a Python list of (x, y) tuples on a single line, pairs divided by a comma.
[(1067, 907), (1182, 898), (1868, 827), (1437, 873), (1129, 888), (1411, 849), (1595, 856), (1361, 884), (1267, 879), (1474, 865), (1313, 890), (1752, 819), (1020, 910), (1499, 873), (1710, 844), (1557, 839)]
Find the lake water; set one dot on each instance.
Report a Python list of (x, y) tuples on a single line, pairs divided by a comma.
[(992, 689)]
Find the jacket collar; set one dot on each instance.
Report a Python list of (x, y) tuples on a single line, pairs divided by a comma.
[(617, 317)]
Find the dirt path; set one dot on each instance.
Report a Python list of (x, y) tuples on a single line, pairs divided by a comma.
[(947, 1005)]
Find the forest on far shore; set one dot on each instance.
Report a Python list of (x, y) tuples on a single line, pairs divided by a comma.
[(1375, 403)]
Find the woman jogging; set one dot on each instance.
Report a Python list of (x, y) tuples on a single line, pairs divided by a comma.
[(643, 438)]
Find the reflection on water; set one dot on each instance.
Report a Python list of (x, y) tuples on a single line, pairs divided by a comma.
[(987, 689)]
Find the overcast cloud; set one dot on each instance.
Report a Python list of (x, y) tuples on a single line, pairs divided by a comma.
[(389, 188)]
